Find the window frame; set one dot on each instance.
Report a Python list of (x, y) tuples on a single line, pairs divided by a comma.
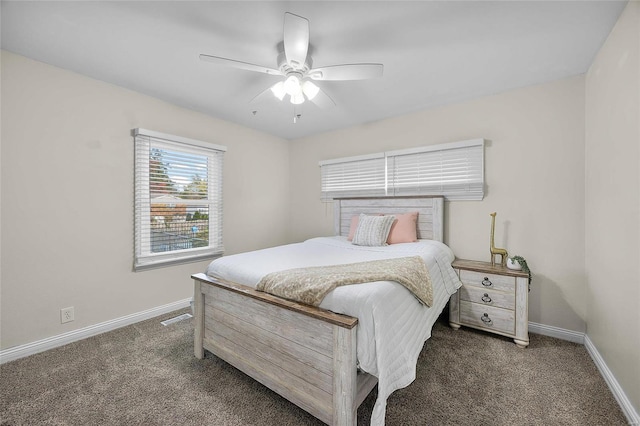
[(146, 140)]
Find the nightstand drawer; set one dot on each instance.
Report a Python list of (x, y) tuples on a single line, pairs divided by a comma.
[(487, 280), (487, 297), (487, 317)]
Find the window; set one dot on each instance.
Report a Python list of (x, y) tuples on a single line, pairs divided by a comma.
[(178, 199), (364, 175), (455, 170)]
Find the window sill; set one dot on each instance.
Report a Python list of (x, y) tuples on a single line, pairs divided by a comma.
[(173, 262)]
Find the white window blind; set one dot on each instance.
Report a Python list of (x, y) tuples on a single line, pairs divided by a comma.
[(353, 176), (178, 199), (455, 170)]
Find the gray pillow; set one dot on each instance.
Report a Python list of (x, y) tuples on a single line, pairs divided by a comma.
[(373, 230)]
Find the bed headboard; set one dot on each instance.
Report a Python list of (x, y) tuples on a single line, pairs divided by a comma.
[(430, 216)]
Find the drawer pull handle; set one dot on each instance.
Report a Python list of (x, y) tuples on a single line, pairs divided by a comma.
[(486, 298), (486, 282), (485, 319)]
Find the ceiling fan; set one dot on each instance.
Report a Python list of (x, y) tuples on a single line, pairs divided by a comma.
[(296, 66)]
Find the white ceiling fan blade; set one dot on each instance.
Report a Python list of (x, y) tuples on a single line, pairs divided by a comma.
[(239, 64), (323, 100), (347, 72), (296, 39)]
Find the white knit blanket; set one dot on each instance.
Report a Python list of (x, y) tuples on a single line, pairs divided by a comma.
[(311, 285)]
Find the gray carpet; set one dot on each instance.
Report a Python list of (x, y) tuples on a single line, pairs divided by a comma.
[(146, 374)]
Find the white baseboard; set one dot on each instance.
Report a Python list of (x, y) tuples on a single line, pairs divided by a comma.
[(582, 338), (27, 349), (627, 408), (560, 333)]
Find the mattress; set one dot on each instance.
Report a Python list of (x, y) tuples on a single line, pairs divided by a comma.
[(392, 324)]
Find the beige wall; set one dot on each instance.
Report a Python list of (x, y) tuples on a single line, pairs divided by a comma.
[(613, 202), (534, 165), (67, 193)]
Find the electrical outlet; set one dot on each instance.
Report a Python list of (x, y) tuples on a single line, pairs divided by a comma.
[(66, 315)]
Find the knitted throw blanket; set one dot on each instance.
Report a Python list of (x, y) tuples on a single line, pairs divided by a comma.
[(311, 285)]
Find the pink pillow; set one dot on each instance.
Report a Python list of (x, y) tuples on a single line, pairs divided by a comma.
[(352, 228), (404, 229)]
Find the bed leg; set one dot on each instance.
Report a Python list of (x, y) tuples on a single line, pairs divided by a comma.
[(198, 308), (344, 376)]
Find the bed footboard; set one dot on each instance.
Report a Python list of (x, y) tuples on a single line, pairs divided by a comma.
[(305, 354)]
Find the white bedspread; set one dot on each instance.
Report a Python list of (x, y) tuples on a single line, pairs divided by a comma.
[(392, 324)]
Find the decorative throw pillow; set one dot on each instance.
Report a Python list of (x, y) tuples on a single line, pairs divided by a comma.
[(404, 229), (373, 230), (354, 225)]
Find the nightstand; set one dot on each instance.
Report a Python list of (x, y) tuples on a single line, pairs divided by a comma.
[(492, 298)]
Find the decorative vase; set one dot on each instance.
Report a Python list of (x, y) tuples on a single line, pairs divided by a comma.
[(514, 264)]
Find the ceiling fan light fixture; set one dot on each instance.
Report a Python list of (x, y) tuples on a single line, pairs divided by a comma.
[(310, 89), (297, 98), (278, 90), (292, 85)]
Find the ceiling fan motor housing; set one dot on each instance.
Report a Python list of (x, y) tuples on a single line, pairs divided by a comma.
[(287, 69)]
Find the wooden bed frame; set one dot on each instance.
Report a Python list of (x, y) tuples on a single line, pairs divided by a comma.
[(305, 354)]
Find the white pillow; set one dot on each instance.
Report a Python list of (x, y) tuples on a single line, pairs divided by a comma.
[(373, 230)]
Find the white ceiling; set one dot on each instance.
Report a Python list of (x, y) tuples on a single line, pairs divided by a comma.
[(434, 53)]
